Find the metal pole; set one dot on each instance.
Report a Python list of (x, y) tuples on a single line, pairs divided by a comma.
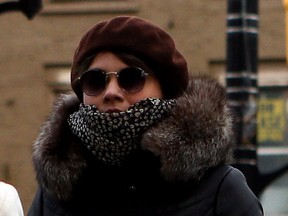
[(241, 80)]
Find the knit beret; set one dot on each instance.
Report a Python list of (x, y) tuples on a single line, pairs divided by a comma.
[(138, 37)]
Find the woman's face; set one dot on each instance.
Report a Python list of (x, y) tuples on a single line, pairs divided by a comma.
[(113, 98)]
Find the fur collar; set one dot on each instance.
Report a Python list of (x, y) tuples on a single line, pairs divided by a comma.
[(195, 137)]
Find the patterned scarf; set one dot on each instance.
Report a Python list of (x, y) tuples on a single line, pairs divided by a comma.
[(111, 137)]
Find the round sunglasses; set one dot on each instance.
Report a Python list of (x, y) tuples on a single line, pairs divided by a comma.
[(94, 81)]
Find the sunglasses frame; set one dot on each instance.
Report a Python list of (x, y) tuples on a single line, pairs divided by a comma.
[(107, 75)]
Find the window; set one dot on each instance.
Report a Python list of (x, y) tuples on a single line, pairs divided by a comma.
[(272, 124), (58, 78)]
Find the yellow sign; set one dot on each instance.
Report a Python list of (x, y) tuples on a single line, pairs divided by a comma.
[(271, 122)]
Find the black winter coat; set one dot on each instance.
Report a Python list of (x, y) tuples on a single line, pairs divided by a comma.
[(179, 171)]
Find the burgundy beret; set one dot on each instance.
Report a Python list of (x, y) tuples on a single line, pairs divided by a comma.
[(144, 40)]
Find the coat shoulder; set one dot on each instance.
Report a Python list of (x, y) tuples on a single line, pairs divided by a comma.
[(244, 201)]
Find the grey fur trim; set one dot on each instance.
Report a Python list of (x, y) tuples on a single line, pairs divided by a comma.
[(57, 158), (196, 136)]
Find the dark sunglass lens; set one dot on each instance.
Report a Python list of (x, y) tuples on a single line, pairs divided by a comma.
[(131, 79), (93, 82)]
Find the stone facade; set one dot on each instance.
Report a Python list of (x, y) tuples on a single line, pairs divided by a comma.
[(32, 52)]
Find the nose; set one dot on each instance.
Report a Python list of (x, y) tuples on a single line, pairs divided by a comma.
[(113, 90)]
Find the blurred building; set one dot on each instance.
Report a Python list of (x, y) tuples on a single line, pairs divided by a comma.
[(35, 59)]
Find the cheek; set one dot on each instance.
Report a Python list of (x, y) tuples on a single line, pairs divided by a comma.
[(88, 100), (153, 89), (150, 90), (155, 93), (158, 93)]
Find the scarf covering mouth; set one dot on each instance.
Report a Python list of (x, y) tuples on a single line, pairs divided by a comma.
[(111, 137)]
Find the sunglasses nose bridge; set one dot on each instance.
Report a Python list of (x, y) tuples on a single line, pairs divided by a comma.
[(108, 77), (112, 72)]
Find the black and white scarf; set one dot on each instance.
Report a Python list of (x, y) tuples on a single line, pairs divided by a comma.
[(110, 137)]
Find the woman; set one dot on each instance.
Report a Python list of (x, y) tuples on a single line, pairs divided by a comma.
[(10, 204), (140, 138)]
